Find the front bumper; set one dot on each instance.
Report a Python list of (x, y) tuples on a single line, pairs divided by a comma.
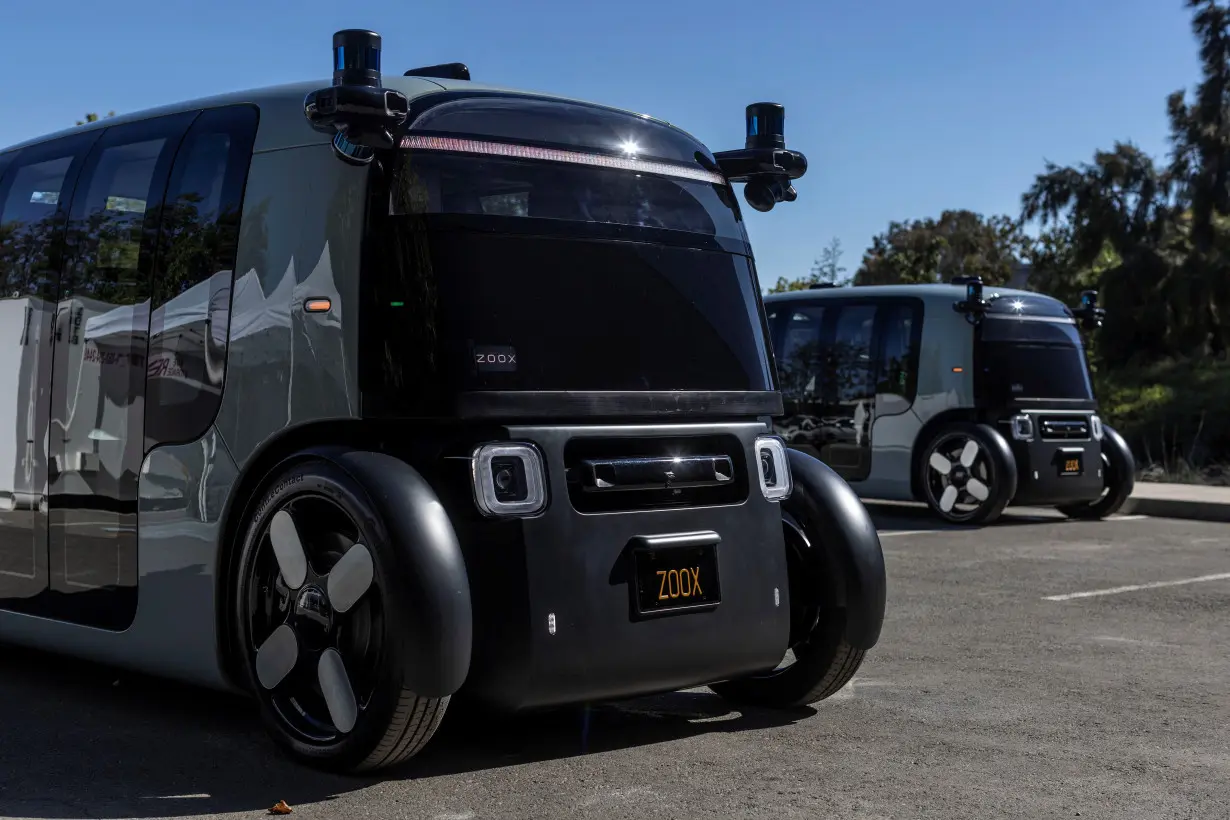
[(554, 614), (1061, 441)]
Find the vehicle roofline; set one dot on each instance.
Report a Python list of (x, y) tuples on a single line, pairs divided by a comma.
[(280, 95)]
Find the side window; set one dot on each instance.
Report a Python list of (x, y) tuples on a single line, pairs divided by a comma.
[(898, 367), (33, 210), (800, 364), (852, 350), (193, 275)]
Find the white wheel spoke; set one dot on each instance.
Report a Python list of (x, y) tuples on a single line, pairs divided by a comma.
[(948, 498), (940, 464), (335, 685), (977, 489), (277, 656), (288, 549), (969, 454), (351, 577)]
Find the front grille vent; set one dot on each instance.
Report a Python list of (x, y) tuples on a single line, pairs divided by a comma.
[(1063, 428)]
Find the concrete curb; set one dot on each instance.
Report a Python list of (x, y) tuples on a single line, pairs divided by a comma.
[(1197, 502), (1189, 509)]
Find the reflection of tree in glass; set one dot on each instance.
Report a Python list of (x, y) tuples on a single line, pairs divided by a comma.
[(193, 244), (796, 370), (25, 253), (843, 364), (851, 369), (105, 258)]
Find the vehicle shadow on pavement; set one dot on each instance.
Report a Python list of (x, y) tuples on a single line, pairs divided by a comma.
[(898, 515), (86, 741)]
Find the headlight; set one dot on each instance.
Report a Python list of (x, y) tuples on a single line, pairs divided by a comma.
[(774, 468), (1023, 428), (509, 480), (1095, 427)]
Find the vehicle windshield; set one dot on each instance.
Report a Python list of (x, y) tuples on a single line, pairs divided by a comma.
[(594, 278), (1030, 348)]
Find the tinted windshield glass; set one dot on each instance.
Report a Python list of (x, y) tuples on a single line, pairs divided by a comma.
[(468, 184), (486, 310), (1032, 358)]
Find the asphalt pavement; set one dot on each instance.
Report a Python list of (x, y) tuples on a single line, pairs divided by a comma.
[(1037, 668)]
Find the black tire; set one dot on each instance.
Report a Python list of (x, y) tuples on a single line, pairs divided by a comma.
[(329, 508), (993, 468), (1118, 478), (824, 661)]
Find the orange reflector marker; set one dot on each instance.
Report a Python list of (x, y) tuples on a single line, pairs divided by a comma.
[(958, 370), (317, 305)]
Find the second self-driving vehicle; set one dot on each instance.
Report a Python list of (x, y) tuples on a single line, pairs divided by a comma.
[(968, 400), (357, 397)]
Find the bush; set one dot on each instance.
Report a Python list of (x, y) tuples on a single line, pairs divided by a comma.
[(1174, 416)]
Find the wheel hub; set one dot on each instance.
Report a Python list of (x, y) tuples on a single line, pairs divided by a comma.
[(960, 476), (313, 616)]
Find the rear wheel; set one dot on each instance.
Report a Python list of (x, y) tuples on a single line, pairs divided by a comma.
[(316, 624), (819, 662), (968, 476)]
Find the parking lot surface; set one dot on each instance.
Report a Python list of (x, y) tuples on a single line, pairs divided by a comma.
[(1037, 668)]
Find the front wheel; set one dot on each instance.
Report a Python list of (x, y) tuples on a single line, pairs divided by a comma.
[(823, 662), (968, 474), (318, 627), (1118, 479)]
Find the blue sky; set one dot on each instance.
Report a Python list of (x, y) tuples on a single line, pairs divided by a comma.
[(903, 108)]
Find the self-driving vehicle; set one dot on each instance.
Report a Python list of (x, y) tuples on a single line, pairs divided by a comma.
[(356, 397), (965, 398)]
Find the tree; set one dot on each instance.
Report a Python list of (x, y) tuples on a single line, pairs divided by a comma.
[(1200, 132), (1124, 202), (930, 250), (93, 118), (826, 269)]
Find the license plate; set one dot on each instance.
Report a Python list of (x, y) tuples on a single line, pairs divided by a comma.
[(1071, 463), (674, 578)]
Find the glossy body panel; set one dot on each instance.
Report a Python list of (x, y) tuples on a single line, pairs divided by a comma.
[(1038, 462), (302, 228), (183, 491), (554, 619)]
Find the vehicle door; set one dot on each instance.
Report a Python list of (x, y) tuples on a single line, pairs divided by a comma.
[(849, 407), (36, 187), (96, 443), (800, 351)]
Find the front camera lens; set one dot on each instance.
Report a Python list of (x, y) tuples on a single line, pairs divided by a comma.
[(767, 469), (508, 476)]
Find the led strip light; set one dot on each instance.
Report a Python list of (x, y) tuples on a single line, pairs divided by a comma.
[(501, 149)]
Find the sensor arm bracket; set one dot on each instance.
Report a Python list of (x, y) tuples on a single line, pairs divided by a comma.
[(745, 164)]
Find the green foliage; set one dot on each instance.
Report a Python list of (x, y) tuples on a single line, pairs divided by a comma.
[(93, 118), (1172, 413), (930, 250), (827, 269)]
